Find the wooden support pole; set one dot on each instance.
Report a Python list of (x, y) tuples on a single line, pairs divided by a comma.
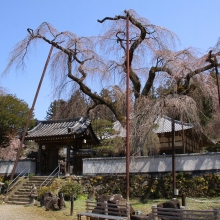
[(30, 114)]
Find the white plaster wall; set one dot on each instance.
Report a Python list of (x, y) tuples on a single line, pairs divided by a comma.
[(7, 166), (184, 162)]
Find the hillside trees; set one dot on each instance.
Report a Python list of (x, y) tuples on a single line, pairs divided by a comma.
[(77, 105), (54, 110), (73, 107), (13, 117), (96, 63)]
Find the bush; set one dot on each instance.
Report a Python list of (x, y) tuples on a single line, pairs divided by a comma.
[(54, 187), (70, 189), (43, 190), (5, 186)]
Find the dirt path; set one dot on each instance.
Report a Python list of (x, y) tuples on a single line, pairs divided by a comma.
[(19, 212), (14, 212)]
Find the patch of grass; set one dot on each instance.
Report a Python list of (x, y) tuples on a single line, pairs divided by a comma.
[(144, 205), (191, 203), (39, 213), (203, 203)]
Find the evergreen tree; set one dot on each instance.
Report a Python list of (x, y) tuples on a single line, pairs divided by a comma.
[(72, 108), (55, 109)]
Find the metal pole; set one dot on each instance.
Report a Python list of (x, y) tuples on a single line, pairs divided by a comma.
[(183, 199), (30, 114), (67, 161), (72, 205), (183, 137), (216, 71), (173, 156), (127, 112)]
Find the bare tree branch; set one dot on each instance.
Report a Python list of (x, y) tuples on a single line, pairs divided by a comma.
[(98, 63)]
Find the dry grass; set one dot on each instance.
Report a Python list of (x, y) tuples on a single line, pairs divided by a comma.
[(38, 213), (199, 204)]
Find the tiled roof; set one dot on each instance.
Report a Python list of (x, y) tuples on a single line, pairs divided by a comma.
[(59, 127), (163, 125)]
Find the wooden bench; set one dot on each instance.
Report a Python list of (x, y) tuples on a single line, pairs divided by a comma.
[(183, 214), (105, 210)]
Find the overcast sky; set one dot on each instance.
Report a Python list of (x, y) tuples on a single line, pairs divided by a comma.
[(196, 22)]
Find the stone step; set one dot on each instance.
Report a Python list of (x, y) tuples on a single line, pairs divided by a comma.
[(28, 186), (21, 196), (20, 193), (18, 202), (37, 182), (23, 190), (38, 177), (25, 199), (15, 199)]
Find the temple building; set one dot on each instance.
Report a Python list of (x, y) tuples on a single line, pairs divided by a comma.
[(187, 138), (75, 135)]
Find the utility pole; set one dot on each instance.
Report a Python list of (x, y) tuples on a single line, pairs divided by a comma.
[(173, 156), (30, 114), (216, 71), (127, 112)]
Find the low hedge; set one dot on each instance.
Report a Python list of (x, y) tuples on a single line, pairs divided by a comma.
[(142, 185)]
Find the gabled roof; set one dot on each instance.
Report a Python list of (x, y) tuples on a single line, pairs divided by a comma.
[(163, 125), (59, 127), (68, 128)]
